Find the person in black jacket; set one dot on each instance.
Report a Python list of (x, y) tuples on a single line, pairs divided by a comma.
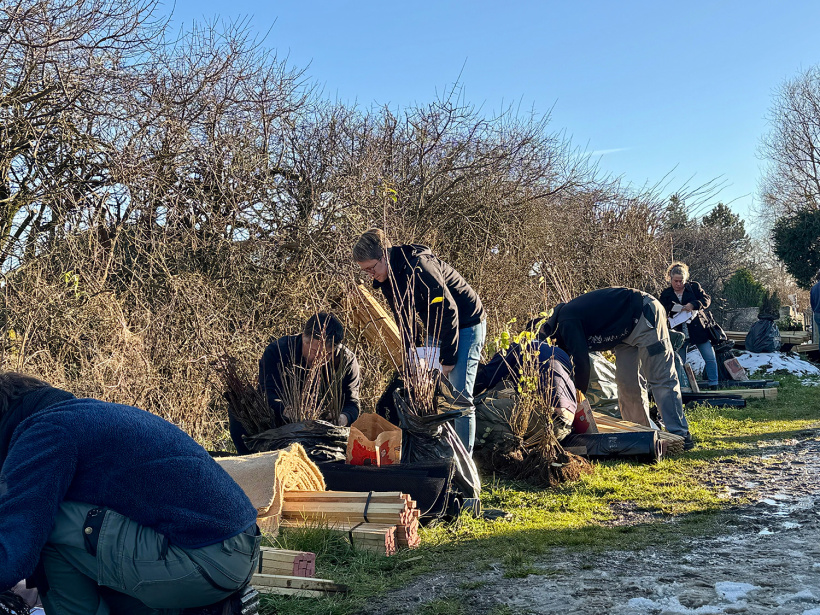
[(417, 284), (633, 325), (691, 297), (316, 358)]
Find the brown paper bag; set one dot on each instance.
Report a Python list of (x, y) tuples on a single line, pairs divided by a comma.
[(373, 441)]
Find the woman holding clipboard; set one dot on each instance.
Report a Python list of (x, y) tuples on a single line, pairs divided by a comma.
[(684, 296)]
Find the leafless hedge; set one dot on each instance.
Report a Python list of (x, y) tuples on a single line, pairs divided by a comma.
[(168, 201)]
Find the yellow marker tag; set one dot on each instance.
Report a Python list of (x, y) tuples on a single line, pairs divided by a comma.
[(437, 300)]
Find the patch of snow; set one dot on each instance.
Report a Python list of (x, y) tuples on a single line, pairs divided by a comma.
[(671, 605), (695, 359), (790, 525), (765, 532), (803, 596), (816, 565), (770, 362), (811, 381), (811, 612), (643, 603), (732, 591)]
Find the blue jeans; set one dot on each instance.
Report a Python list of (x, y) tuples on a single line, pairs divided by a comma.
[(708, 354), (470, 344)]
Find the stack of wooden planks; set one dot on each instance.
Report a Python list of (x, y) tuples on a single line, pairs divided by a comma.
[(608, 424), (290, 573), (286, 562), (375, 521), (376, 324)]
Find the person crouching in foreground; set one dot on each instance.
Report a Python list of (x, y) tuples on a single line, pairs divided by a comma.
[(113, 509)]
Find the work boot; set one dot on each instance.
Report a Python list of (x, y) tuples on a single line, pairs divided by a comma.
[(688, 442)]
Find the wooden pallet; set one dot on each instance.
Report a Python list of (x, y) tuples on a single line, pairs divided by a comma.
[(787, 338), (752, 393)]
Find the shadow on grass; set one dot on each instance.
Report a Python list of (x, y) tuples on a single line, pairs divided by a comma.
[(509, 548)]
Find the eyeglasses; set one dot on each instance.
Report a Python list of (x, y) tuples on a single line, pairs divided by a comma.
[(372, 269)]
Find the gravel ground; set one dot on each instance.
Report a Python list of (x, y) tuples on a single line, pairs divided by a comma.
[(766, 560)]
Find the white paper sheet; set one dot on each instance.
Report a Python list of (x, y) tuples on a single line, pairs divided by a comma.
[(428, 357), (681, 317)]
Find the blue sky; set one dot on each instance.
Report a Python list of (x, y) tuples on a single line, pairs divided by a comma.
[(656, 87)]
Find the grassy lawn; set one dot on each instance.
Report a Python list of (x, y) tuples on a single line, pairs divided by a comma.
[(578, 515)]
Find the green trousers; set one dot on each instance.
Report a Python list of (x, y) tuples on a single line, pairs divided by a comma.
[(135, 570)]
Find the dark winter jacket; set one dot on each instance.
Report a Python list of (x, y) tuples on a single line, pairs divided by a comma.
[(554, 367), (814, 298), (421, 285), (285, 355), (694, 294), (54, 447), (598, 320)]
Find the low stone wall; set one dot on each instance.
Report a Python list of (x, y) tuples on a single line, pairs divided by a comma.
[(739, 319)]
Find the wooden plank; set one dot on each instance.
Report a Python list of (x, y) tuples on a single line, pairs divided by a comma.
[(298, 583), (337, 494), (604, 420), (690, 374), (289, 591), (345, 497), (377, 326), (806, 348), (752, 393), (290, 508), (338, 525)]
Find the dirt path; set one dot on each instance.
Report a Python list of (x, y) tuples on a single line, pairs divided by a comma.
[(766, 561)]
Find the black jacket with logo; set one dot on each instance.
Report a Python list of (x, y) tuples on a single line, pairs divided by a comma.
[(424, 286), (694, 294), (598, 320)]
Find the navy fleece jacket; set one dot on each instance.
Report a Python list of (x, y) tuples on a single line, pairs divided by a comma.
[(130, 460)]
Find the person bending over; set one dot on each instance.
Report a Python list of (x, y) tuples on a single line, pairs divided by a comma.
[(416, 283), (633, 325), (111, 509), (554, 379)]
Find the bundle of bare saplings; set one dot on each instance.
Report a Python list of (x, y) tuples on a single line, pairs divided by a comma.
[(311, 399), (522, 419)]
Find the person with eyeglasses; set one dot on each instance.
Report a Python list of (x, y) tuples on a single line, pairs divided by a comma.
[(417, 284)]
